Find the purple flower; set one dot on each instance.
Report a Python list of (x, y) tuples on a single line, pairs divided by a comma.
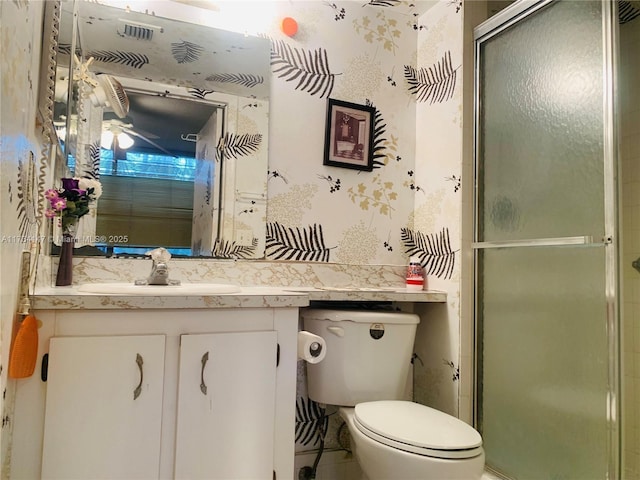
[(70, 183), (72, 200)]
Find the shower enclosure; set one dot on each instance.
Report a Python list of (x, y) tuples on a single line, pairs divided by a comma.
[(547, 241)]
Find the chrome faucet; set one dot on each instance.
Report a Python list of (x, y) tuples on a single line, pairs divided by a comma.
[(159, 274), (159, 269)]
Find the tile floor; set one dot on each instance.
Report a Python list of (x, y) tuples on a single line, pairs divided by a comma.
[(340, 465)]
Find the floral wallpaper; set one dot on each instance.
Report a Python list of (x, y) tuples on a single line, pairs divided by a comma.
[(22, 178), (435, 232), (365, 54)]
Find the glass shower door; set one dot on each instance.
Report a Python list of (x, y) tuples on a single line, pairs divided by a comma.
[(545, 242)]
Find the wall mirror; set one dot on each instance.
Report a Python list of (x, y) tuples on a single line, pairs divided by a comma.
[(184, 165)]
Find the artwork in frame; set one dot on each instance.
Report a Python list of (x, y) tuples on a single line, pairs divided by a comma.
[(349, 135)]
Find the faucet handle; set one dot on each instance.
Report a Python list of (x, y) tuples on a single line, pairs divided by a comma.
[(159, 255)]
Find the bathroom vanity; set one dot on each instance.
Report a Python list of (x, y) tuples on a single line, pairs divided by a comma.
[(166, 386)]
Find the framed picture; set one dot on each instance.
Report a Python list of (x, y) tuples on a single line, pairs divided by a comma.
[(349, 135)]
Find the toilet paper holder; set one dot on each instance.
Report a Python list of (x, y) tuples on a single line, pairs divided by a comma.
[(312, 348), (316, 349)]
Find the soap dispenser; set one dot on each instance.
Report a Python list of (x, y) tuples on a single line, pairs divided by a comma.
[(415, 275)]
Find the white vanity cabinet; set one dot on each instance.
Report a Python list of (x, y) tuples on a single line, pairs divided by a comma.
[(193, 393), (226, 400), (104, 407)]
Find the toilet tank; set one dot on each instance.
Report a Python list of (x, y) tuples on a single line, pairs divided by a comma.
[(368, 355)]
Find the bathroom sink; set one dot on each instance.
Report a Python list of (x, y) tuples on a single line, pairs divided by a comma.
[(183, 289)]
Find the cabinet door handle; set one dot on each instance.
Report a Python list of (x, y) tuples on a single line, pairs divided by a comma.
[(138, 390), (203, 386)]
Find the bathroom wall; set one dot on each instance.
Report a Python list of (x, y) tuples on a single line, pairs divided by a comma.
[(630, 177), (359, 216), (437, 211), (19, 162), (366, 218)]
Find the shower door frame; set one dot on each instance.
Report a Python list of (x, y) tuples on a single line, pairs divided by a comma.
[(516, 12)]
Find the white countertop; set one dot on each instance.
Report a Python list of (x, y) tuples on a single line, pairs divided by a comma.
[(63, 298)]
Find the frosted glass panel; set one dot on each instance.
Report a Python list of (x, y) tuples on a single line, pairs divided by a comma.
[(544, 362), (541, 121), (543, 349)]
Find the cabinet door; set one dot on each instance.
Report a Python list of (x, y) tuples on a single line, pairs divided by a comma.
[(103, 407), (226, 406)]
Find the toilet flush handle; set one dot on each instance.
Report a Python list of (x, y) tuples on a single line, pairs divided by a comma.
[(338, 331)]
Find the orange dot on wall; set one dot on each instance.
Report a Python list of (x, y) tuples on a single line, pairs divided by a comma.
[(289, 26)]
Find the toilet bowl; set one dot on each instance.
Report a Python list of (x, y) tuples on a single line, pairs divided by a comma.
[(364, 372), (398, 440)]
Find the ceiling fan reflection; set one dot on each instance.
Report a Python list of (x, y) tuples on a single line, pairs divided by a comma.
[(114, 129)]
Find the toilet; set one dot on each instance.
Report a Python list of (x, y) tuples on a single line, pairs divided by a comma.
[(364, 372)]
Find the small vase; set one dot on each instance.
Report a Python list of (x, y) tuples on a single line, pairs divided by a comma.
[(64, 276)]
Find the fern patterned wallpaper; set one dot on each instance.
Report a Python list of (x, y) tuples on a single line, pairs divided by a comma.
[(438, 212), (388, 54), (357, 217), (20, 174)]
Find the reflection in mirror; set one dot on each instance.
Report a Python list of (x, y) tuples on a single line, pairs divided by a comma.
[(148, 168), (185, 167), (65, 94)]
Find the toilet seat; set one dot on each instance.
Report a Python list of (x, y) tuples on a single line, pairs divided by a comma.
[(417, 429)]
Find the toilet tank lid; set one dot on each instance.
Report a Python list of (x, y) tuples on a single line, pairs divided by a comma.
[(418, 425), (360, 316)]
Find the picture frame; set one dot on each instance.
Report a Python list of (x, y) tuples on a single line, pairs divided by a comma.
[(349, 135)]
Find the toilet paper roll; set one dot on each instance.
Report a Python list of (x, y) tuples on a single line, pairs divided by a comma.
[(311, 348)]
